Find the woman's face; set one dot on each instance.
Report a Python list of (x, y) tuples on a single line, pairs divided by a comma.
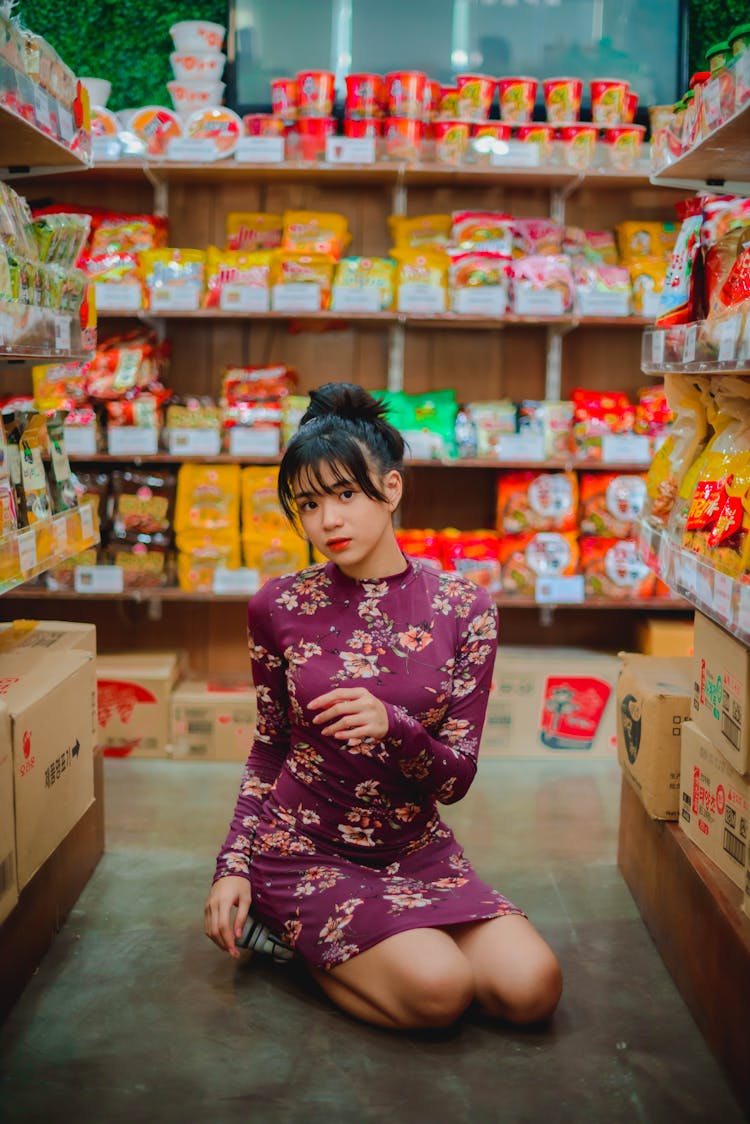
[(346, 525)]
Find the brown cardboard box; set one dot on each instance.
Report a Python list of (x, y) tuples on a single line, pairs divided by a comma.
[(714, 803), (654, 698), (8, 881), (213, 721), (551, 703), (666, 639), (133, 693), (47, 710), (721, 691), (50, 636)]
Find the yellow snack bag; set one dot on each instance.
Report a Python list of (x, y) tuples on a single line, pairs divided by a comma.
[(280, 552), (315, 232), (200, 555), (260, 500), (363, 276), (290, 268), (645, 240), (254, 230), (237, 279), (647, 277), (174, 278), (421, 279), (208, 498), (422, 230)]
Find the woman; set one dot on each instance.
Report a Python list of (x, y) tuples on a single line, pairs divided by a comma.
[(372, 673)]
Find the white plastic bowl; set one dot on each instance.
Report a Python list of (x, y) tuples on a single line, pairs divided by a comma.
[(198, 66), (189, 96), (99, 90), (197, 35)]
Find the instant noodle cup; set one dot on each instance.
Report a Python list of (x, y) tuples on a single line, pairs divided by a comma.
[(201, 66), (315, 93), (431, 101), (475, 94), (103, 122), (578, 145), (284, 97), (403, 137), (362, 127), (539, 134), (313, 132), (98, 90), (406, 93), (562, 99), (362, 95), (263, 125), (631, 107), (221, 126), (448, 102), (608, 100), (155, 126), (659, 116), (517, 98), (488, 137), (622, 145), (197, 35), (451, 141), (189, 96)]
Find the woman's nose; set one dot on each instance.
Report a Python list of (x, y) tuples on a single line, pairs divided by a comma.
[(331, 514)]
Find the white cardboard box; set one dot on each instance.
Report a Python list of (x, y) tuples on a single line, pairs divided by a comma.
[(213, 721), (8, 880), (714, 804), (47, 711), (551, 703), (721, 691), (133, 694), (50, 636), (654, 698)]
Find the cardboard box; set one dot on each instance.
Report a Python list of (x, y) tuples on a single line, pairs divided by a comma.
[(551, 703), (8, 880), (48, 636), (721, 691), (133, 695), (213, 721), (665, 639), (47, 712), (654, 698), (714, 803)]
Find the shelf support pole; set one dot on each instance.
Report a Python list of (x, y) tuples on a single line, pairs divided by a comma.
[(161, 192), (553, 372), (396, 348)]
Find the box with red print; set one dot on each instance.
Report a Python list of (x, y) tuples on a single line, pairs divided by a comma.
[(721, 691), (47, 716), (133, 697)]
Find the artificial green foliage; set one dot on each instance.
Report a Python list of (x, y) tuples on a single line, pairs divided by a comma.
[(710, 22), (125, 41)]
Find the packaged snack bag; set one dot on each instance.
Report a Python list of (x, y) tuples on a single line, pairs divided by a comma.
[(478, 269), (611, 504), (638, 240), (315, 232), (33, 443), (292, 268), (238, 279), (142, 502), (260, 501), (653, 416), (361, 276), (426, 421), (174, 278), (473, 554), (254, 230), (613, 570), (425, 544), (292, 410), (536, 236), (596, 414), (59, 386), (536, 501), (483, 230), (432, 231), (421, 280), (647, 277), (492, 419), (63, 485), (596, 246), (208, 500), (553, 420), (602, 289), (524, 558), (200, 554), (143, 559), (274, 551), (542, 285), (735, 291), (116, 233), (681, 298)]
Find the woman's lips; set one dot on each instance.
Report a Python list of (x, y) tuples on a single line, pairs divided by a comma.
[(338, 544)]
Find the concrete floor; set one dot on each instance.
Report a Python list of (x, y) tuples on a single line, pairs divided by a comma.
[(134, 1016)]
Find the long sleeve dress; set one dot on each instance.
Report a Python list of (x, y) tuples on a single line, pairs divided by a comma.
[(342, 841)]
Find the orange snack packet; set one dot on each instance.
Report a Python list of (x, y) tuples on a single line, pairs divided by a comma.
[(611, 503), (524, 558), (536, 501), (614, 571)]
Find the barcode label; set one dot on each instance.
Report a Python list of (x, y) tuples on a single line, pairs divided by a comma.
[(204, 727), (734, 847), (730, 730), (6, 872)]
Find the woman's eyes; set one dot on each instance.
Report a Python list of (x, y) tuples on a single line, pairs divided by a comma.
[(346, 494)]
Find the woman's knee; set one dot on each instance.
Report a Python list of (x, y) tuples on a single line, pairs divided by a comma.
[(435, 994), (530, 995)]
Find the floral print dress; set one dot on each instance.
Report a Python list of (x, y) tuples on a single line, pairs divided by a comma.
[(342, 841)]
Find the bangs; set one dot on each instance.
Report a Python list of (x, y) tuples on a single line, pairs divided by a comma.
[(323, 462)]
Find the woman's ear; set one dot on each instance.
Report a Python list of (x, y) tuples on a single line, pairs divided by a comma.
[(393, 486)]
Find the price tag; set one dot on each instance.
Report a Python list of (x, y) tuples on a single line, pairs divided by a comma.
[(299, 296), (520, 447), (62, 333), (519, 154), (242, 581), (481, 300), (665, 559), (539, 302), (60, 533), (658, 343), (67, 126), (361, 299), (650, 304), (244, 298), (421, 445), (98, 579), (688, 346), (244, 441), (634, 448), (260, 150), (80, 440), (27, 551), (119, 295), (194, 442), (105, 149), (723, 588), (198, 150), (132, 441), (729, 334), (687, 572), (604, 304), (87, 522), (180, 298), (560, 591), (417, 296), (704, 584), (6, 328), (41, 109), (350, 150), (743, 615)]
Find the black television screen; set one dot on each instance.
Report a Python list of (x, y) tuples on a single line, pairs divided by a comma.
[(643, 41)]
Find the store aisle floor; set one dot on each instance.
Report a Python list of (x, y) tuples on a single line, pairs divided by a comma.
[(134, 1016)]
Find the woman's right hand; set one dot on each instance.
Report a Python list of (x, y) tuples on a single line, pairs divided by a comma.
[(227, 893)]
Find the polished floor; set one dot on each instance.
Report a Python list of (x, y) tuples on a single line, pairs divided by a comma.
[(134, 1016)]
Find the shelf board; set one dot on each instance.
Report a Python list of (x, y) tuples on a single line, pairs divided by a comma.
[(721, 160), (26, 149), (48, 543)]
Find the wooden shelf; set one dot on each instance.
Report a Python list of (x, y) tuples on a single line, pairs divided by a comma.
[(721, 160), (25, 148)]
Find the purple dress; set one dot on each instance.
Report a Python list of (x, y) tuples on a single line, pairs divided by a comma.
[(342, 841)]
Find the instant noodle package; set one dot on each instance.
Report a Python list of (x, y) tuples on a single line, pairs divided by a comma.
[(536, 501)]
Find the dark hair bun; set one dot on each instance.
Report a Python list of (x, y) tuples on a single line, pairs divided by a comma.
[(344, 400)]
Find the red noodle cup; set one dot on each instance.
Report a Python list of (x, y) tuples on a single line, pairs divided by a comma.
[(362, 127), (284, 97), (263, 125), (631, 105), (475, 94), (451, 141), (486, 137), (608, 100), (362, 95), (517, 97), (431, 102), (540, 134), (403, 136), (406, 93), (448, 103), (312, 136), (578, 144), (622, 145), (315, 93), (562, 99)]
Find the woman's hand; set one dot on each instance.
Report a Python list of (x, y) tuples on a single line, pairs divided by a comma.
[(350, 712), (226, 893)]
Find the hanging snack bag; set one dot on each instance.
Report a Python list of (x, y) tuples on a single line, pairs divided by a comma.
[(254, 230), (63, 485), (536, 501), (611, 504), (614, 571), (681, 298), (428, 231), (315, 232), (33, 478)]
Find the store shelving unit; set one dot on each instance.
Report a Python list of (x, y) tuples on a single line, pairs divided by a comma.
[(721, 161)]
